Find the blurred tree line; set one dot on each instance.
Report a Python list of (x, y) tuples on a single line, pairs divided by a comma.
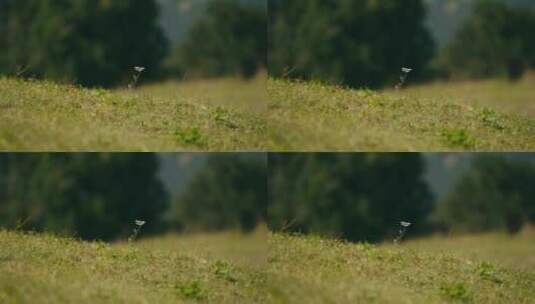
[(92, 195), (363, 197), (363, 43), (352, 42), (497, 40), (360, 197), (97, 43), (229, 193), (228, 38), (94, 43), (495, 194), (99, 195)]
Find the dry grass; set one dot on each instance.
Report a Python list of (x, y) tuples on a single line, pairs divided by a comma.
[(315, 270), (42, 268), (503, 95), (230, 267), (44, 116), (317, 117)]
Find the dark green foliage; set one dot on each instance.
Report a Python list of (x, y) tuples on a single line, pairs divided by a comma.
[(494, 194), (360, 197), (228, 39), (353, 42), (495, 41), (95, 196), (229, 193), (93, 43), (446, 16)]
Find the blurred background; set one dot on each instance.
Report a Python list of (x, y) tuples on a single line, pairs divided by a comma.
[(365, 196), (100, 195), (365, 43), (98, 43)]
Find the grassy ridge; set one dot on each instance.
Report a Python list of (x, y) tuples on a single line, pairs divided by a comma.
[(511, 251), (48, 269), (314, 116), (231, 115), (232, 268), (501, 94), (315, 270), (243, 249), (41, 115)]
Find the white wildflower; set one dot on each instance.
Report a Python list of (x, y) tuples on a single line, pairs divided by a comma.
[(139, 69), (140, 223), (402, 231), (403, 77), (405, 224)]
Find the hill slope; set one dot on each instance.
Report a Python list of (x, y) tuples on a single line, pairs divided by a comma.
[(228, 268), (500, 94), (314, 116), (44, 116), (315, 270), (47, 269)]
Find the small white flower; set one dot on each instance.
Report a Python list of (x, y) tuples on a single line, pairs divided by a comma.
[(139, 69), (405, 224), (406, 70), (140, 223)]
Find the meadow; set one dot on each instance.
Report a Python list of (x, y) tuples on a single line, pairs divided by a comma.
[(309, 269), (263, 267), (237, 115), (501, 94), (476, 116), (44, 268), (193, 115)]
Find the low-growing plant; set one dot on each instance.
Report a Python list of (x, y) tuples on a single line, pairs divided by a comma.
[(456, 291), (458, 138), (488, 272), (490, 118), (191, 290), (191, 136), (224, 117), (100, 93), (223, 270)]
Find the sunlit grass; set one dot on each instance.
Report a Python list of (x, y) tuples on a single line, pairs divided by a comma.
[(515, 251), (244, 249), (310, 269), (43, 116), (310, 116), (501, 94), (42, 268), (231, 92), (261, 267)]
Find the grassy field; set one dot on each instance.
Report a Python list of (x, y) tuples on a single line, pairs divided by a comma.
[(222, 115), (313, 116), (248, 250), (262, 267), (41, 268), (315, 270), (237, 115), (512, 251), (503, 95)]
